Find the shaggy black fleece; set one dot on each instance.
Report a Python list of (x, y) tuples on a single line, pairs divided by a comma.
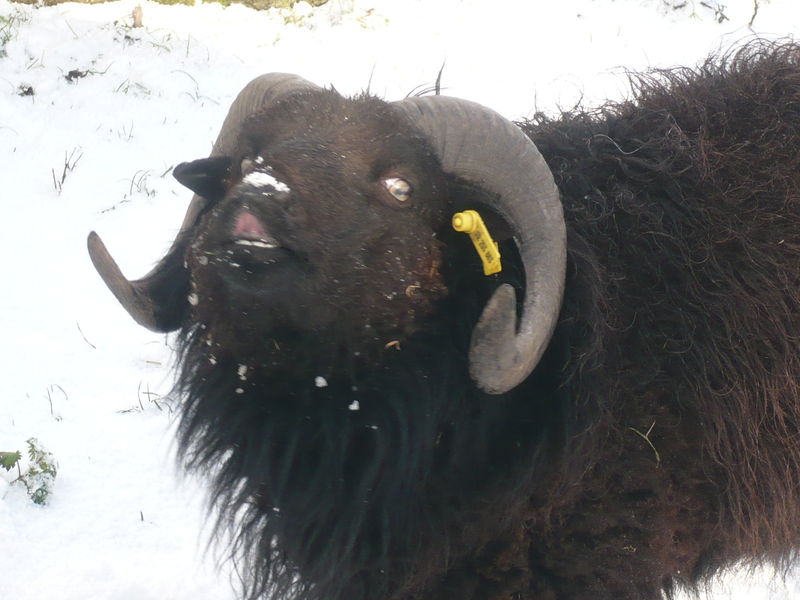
[(658, 440)]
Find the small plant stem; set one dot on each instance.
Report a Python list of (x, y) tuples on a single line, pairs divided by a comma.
[(646, 438)]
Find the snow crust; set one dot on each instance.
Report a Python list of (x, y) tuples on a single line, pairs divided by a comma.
[(93, 116)]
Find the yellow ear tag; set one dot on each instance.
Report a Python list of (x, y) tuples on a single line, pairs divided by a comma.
[(470, 222)]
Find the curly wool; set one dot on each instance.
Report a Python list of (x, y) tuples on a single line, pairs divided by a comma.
[(655, 443)]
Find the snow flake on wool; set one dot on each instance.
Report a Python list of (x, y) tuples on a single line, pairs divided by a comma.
[(262, 179)]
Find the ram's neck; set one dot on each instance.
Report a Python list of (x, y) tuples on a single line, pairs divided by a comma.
[(345, 468)]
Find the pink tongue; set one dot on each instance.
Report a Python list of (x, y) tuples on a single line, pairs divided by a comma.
[(248, 227)]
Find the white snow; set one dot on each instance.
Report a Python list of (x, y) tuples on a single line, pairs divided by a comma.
[(96, 151), (261, 179), (320, 382)]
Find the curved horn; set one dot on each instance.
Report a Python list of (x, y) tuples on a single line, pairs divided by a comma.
[(158, 300), (483, 148)]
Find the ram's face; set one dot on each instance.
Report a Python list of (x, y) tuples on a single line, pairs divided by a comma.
[(319, 215), (328, 225)]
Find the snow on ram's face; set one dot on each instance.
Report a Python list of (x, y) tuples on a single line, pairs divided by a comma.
[(262, 179)]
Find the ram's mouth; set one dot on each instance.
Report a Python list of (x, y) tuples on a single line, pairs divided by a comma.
[(249, 231)]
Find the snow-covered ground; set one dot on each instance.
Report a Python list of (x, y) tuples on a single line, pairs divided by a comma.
[(94, 113)]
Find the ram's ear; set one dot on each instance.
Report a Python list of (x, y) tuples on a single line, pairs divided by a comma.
[(206, 177)]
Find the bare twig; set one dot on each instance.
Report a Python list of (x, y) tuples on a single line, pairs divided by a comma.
[(126, 134), (755, 13), (84, 337), (49, 392), (139, 183), (76, 36), (70, 162), (139, 395), (115, 206), (150, 396)]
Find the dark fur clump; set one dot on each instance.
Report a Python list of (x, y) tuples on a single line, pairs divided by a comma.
[(657, 441)]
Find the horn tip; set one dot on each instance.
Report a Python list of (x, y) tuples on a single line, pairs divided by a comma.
[(98, 252), (92, 239), (491, 366)]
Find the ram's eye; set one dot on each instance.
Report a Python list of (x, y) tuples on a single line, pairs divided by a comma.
[(400, 189)]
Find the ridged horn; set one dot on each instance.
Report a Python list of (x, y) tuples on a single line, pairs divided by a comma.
[(478, 145), (158, 300)]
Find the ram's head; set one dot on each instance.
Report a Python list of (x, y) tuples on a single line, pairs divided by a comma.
[(322, 214)]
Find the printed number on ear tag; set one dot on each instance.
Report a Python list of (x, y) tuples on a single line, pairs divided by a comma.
[(471, 222)]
